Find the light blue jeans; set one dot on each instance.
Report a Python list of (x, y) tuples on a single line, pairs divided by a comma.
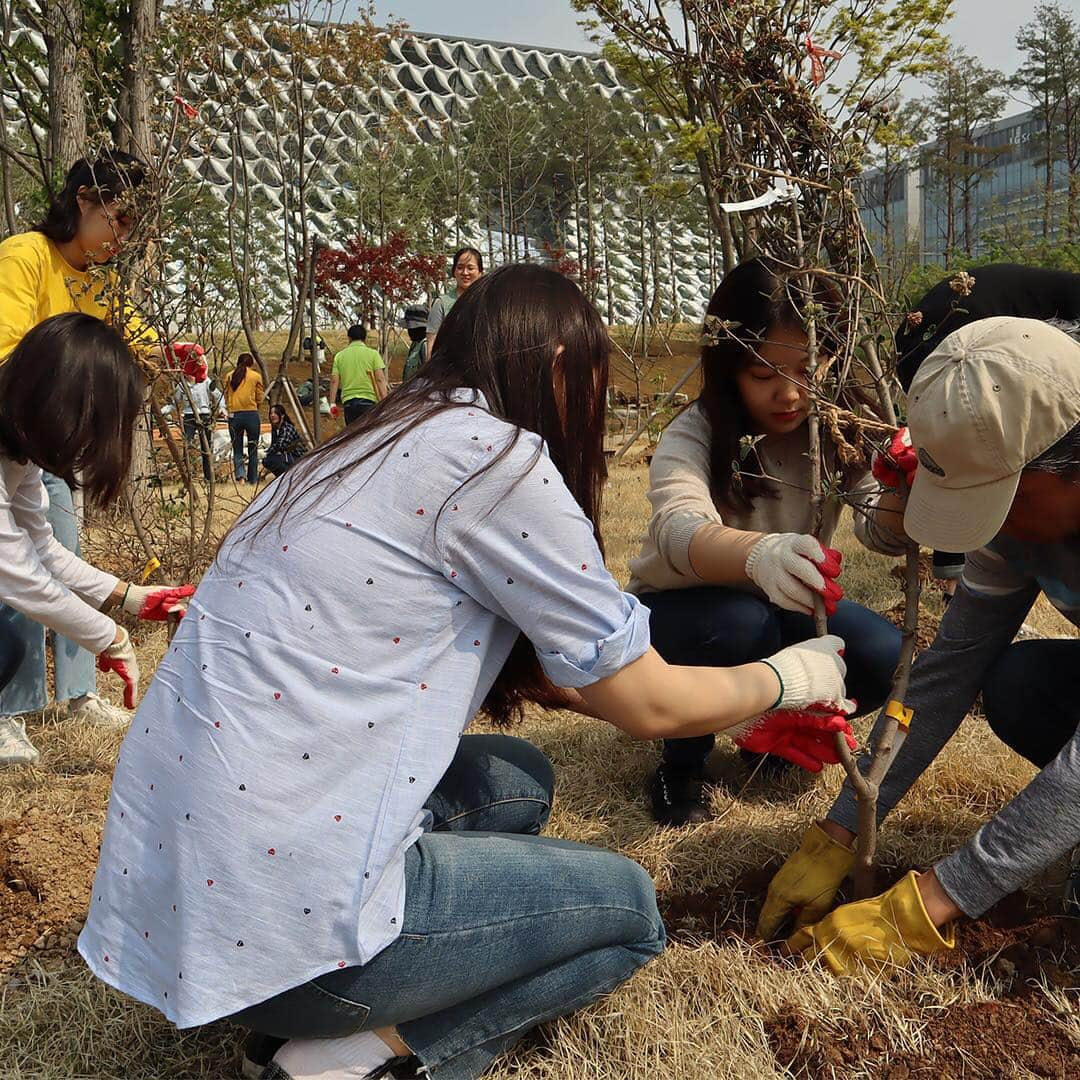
[(75, 672), (503, 929)]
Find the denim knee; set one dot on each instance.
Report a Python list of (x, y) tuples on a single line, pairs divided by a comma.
[(629, 888), (712, 626), (532, 761)]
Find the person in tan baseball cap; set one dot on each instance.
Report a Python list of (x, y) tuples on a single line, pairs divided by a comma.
[(995, 396), (994, 417)]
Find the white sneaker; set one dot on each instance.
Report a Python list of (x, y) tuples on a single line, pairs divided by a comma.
[(91, 709), (15, 747)]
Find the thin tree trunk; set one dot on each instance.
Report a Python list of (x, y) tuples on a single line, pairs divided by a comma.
[(135, 136), (67, 97)]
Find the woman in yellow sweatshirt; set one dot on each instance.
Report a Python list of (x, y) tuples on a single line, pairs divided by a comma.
[(243, 395), (54, 268)]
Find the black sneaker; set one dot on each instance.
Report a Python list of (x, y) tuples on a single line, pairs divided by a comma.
[(677, 796), (767, 766)]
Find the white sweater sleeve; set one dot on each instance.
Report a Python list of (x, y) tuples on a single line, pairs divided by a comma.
[(679, 490), (38, 576)]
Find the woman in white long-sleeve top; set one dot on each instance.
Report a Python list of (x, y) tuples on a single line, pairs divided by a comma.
[(69, 396)]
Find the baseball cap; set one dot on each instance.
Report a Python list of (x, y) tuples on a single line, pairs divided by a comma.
[(988, 401), (415, 317)]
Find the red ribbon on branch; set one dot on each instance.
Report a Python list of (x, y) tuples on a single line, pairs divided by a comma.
[(189, 110), (817, 54)]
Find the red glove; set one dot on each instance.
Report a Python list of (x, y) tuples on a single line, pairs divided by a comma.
[(895, 467), (830, 568), (119, 657), (156, 604), (334, 410), (803, 736)]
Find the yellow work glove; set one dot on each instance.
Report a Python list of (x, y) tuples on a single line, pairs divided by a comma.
[(805, 886), (886, 930)]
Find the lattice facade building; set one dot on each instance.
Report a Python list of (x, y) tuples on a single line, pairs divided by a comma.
[(428, 82)]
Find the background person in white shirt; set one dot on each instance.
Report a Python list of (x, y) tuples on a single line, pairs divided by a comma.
[(200, 403), (300, 835), (70, 394)]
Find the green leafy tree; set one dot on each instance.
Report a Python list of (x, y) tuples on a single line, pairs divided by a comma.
[(1040, 83), (965, 96)]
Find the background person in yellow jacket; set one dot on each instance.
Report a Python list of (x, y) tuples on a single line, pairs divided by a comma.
[(244, 392), (52, 269)]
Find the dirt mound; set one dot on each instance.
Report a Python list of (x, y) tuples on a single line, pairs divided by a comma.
[(1022, 944), (1020, 941), (961, 1042), (46, 872)]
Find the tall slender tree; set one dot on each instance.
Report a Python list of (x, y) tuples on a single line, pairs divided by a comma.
[(1039, 82), (965, 97)]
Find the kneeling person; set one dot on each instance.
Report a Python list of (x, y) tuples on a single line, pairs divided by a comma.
[(995, 420)]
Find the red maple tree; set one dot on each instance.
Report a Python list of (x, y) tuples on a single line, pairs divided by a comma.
[(568, 266), (358, 276)]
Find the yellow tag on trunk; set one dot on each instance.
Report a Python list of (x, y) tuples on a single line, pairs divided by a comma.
[(150, 567), (900, 713)]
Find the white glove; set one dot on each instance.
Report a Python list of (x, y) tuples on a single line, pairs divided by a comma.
[(783, 566), (811, 672), (156, 602)]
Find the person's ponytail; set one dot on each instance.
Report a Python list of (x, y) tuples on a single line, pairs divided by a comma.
[(243, 362)]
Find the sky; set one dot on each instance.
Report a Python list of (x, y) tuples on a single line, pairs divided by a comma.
[(986, 28)]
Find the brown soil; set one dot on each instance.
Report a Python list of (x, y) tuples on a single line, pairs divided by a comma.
[(1019, 941), (46, 873), (991, 1040), (1021, 945)]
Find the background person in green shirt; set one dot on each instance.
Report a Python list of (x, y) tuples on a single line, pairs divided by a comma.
[(360, 372)]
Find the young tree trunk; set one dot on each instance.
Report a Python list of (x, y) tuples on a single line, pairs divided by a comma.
[(67, 95), (134, 127)]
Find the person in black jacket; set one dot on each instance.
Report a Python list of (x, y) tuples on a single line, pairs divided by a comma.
[(286, 444)]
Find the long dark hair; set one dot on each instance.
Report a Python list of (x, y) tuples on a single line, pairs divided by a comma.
[(467, 251), (500, 338), (280, 410), (70, 394), (112, 176), (243, 362), (754, 299)]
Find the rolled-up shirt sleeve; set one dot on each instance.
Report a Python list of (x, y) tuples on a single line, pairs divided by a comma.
[(517, 542)]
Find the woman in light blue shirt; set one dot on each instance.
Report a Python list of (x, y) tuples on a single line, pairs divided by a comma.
[(300, 836)]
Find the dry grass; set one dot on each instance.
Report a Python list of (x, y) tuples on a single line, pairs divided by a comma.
[(703, 1010)]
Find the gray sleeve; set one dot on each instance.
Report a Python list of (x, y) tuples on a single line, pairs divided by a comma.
[(869, 531), (436, 314), (1038, 827), (945, 681)]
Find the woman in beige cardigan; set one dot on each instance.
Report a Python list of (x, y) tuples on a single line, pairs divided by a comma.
[(727, 567)]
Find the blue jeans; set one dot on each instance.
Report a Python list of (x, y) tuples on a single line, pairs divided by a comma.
[(245, 422), (503, 929), (712, 626), (74, 667), (197, 431), (355, 408), (1029, 698)]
